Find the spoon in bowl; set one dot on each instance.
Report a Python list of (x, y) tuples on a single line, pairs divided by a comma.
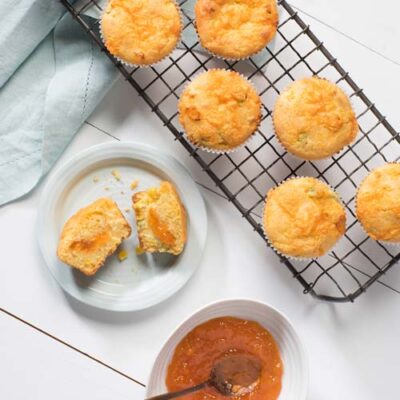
[(233, 375)]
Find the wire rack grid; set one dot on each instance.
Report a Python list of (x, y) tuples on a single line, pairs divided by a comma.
[(245, 176)]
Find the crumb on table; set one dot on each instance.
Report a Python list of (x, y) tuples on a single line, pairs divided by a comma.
[(134, 184), (95, 179), (122, 255), (106, 188), (116, 174), (127, 209)]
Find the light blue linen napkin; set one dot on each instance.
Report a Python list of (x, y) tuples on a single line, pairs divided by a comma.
[(51, 78)]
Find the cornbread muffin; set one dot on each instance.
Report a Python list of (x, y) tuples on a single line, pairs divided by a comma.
[(91, 235), (160, 219), (314, 119), (378, 203), (236, 29), (141, 32), (219, 110), (303, 218)]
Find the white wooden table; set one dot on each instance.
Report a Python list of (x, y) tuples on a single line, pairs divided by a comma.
[(56, 347)]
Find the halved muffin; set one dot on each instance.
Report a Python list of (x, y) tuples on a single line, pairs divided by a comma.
[(160, 219), (91, 235)]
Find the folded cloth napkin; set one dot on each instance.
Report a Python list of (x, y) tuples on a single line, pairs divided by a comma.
[(51, 78)]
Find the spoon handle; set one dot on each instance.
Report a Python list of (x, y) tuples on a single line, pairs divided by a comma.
[(179, 393)]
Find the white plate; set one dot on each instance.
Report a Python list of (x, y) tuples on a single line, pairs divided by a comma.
[(139, 281), (295, 367)]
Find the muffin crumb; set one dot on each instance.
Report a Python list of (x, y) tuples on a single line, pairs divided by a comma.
[(139, 250), (116, 174), (122, 255), (134, 184)]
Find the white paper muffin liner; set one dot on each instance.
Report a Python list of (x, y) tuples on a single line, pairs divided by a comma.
[(218, 152), (132, 65), (323, 158), (270, 44), (230, 150), (394, 245), (297, 258)]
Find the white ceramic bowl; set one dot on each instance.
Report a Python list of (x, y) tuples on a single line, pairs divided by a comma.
[(295, 375)]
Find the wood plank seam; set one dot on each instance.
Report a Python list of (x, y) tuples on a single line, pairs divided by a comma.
[(346, 35), (70, 346)]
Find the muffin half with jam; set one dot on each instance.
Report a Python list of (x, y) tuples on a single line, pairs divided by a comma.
[(160, 220), (91, 235)]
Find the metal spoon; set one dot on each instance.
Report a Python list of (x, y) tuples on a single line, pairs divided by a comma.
[(232, 375)]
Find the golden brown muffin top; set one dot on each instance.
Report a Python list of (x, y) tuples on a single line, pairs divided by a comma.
[(141, 32), (378, 203), (303, 217), (236, 28), (219, 110), (314, 119)]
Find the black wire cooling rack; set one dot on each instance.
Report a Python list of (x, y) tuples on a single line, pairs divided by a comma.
[(245, 176)]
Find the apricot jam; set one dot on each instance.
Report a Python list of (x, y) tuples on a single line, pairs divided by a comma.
[(160, 228), (196, 354)]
